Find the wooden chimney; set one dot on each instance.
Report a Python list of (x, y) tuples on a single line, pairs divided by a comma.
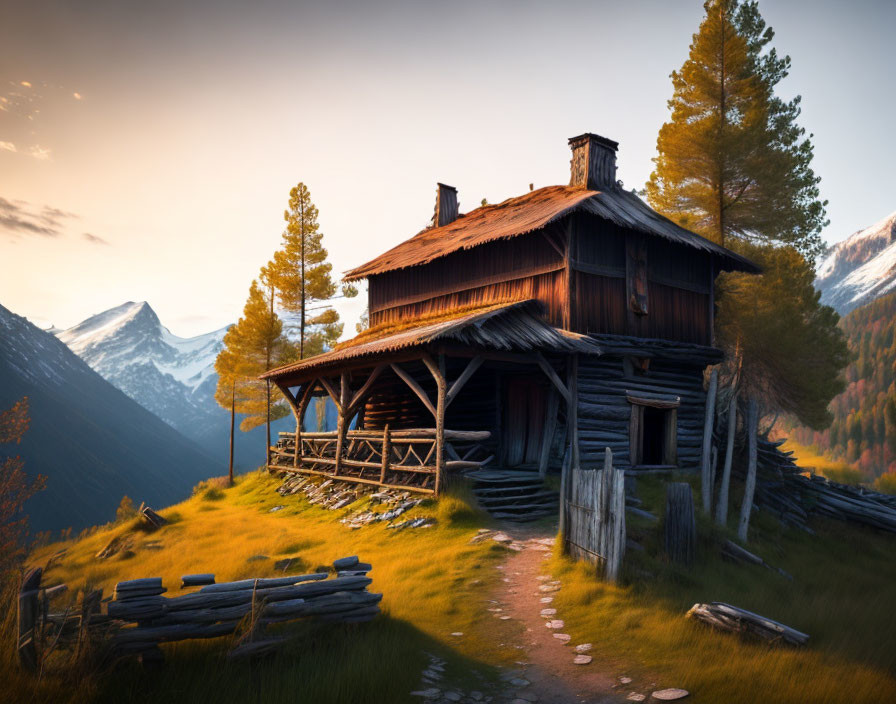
[(446, 205), (593, 164)]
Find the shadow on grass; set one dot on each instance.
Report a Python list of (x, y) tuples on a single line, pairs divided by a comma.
[(346, 664)]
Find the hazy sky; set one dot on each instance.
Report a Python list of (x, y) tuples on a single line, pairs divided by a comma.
[(147, 148)]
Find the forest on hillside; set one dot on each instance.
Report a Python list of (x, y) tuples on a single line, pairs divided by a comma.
[(863, 432)]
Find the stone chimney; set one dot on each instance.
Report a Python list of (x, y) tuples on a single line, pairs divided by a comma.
[(446, 205), (593, 164)]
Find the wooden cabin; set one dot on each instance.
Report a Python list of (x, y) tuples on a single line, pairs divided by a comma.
[(512, 338)]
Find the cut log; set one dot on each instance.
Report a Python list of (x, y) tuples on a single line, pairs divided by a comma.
[(196, 580), (731, 619)]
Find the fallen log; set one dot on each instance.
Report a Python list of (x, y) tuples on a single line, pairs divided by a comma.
[(728, 618), (736, 553)]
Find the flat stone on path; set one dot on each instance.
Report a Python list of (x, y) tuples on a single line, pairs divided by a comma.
[(546, 599), (581, 659), (519, 682), (546, 588), (670, 695), (548, 612), (635, 697), (556, 623), (625, 680), (583, 647), (564, 637), (431, 693)]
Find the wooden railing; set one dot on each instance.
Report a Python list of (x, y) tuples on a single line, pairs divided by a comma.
[(397, 458)]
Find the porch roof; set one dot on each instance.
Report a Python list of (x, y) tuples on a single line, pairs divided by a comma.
[(505, 327)]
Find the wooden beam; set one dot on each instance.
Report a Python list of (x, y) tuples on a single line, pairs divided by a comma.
[(552, 375), (553, 244), (464, 377), (362, 392), (300, 416), (415, 387), (331, 391), (437, 371)]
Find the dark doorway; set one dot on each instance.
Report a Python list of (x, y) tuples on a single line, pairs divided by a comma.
[(653, 440), (653, 434), (525, 401)]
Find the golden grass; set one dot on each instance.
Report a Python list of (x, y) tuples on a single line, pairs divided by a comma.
[(433, 581), (842, 596), (823, 465)]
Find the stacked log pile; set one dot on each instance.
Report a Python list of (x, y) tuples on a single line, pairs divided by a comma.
[(217, 609), (783, 489)]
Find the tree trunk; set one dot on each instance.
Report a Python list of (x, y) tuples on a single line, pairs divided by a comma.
[(232, 417), (750, 488), (722, 505), (302, 312), (708, 421)]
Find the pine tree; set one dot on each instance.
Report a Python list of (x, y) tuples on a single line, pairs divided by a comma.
[(234, 377), (732, 162), (302, 277)]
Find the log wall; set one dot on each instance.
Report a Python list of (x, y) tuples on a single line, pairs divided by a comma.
[(605, 413)]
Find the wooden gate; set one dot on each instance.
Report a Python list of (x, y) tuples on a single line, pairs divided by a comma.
[(595, 517)]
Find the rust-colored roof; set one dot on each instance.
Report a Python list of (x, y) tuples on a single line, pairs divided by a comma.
[(533, 210), (504, 327)]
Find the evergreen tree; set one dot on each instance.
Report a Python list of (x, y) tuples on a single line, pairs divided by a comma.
[(733, 164), (302, 277), (783, 347)]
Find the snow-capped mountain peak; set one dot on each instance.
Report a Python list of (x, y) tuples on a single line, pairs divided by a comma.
[(860, 268), (132, 334)]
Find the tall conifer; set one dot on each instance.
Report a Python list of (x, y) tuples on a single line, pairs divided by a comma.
[(732, 162), (302, 277)]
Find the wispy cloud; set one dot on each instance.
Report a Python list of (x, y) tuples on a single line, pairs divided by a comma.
[(39, 152), (8, 146), (94, 239), (21, 218)]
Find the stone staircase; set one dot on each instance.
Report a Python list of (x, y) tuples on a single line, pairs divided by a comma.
[(514, 495)]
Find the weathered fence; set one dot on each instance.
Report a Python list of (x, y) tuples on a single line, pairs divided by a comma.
[(139, 618), (405, 459), (595, 516)]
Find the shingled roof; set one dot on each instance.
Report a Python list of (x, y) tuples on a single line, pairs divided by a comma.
[(517, 216), (504, 327)]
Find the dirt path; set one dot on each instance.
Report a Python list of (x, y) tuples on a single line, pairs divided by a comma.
[(552, 675)]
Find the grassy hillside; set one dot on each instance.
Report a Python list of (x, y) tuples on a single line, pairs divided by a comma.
[(863, 432), (436, 583)]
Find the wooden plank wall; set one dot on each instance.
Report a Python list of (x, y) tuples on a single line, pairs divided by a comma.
[(523, 267), (604, 412)]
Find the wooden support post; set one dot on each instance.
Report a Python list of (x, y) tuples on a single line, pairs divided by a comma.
[(550, 425), (341, 421), (722, 505), (552, 375), (750, 487), (680, 524), (572, 398), (362, 392), (708, 421), (387, 451), (441, 397)]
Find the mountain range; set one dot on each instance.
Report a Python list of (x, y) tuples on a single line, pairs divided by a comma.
[(92, 442), (171, 376), (859, 269)]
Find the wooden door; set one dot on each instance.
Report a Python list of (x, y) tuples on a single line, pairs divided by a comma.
[(524, 409)]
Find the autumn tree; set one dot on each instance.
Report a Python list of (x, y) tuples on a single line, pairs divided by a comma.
[(732, 163), (15, 487), (234, 368), (302, 277), (254, 345)]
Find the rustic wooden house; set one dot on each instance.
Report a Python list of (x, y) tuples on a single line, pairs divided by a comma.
[(512, 338)]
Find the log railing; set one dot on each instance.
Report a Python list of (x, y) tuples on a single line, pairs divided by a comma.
[(407, 458)]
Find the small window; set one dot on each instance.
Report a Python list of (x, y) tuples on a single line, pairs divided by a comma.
[(653, 433)]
